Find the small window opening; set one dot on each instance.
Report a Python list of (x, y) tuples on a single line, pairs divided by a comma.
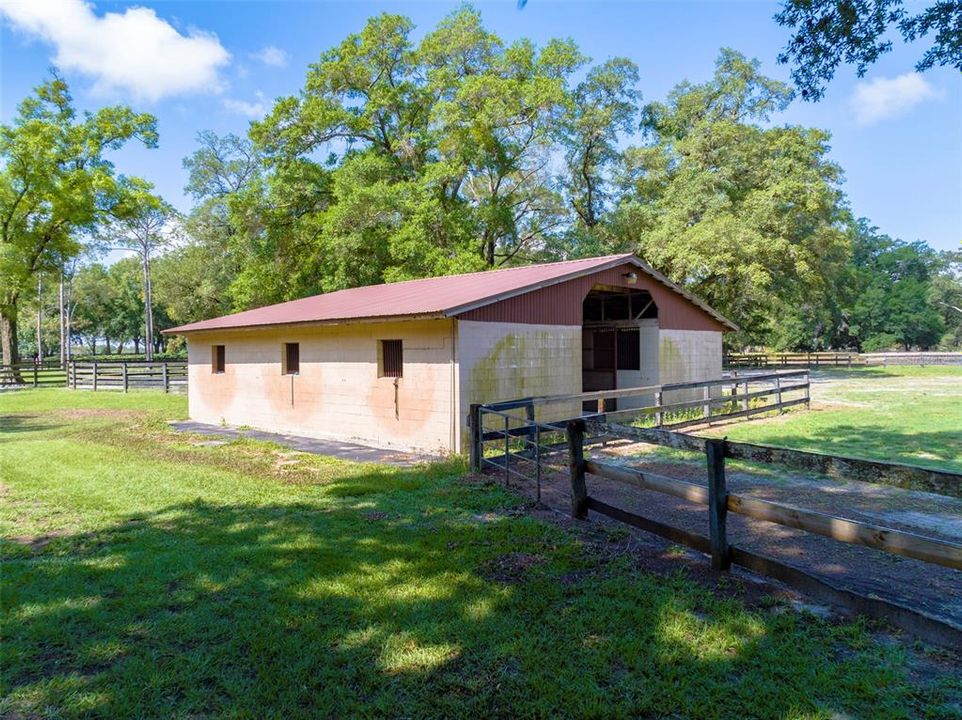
[(629, 349), (292, 359), (217, 358), (390, 359)]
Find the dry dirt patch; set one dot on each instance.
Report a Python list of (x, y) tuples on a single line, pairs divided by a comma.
[(513, 567)]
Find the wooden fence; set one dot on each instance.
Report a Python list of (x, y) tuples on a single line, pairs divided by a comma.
[(30, 374), (720, 502), (169, 376), (816, 359), (511, 426), (839, 359), (916, 358)]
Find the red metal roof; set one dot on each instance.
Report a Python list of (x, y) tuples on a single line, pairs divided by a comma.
[(444, 296)]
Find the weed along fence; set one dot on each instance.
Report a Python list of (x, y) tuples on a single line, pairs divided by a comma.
[(167, 376), (517, 437)]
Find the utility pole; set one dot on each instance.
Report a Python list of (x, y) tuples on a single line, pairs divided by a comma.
[(39, 318), (148, 302), (63, 325)]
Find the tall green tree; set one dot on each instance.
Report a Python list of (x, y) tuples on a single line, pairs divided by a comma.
[(145, 223), (892, 304), (946, 296), (604, 109), (55, 184), (438, 154), (828, 33), (750, 218)]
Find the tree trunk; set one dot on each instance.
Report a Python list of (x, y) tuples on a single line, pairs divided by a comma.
[(148, 311), (8, 335), (107, 343), (39, 318), (63, 326)]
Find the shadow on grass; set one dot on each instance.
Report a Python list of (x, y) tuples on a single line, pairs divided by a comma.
[(397, 604), (22, 423), (933, 449)]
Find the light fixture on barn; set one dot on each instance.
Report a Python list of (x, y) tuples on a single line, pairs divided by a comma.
[(630, 277)]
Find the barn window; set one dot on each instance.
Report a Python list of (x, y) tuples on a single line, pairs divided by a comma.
[(629, 349), (217, 356), (390, 359), (291, 359)]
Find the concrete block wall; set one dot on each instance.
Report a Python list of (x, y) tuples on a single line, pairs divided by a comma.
[(649, 372), (506, 361), (689, 356), (337, 393)]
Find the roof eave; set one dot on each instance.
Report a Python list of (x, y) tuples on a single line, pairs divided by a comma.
[(188, 330)]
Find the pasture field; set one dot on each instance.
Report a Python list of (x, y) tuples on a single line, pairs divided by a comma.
[(900, 414), (148, 573)]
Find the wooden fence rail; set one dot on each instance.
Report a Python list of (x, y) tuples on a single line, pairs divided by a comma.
[(511, 424), (30, 374), (720, 502), (169, 376), (909, 477), (839, 359)]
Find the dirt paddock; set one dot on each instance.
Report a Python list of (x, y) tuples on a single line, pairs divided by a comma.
[(931, 589)]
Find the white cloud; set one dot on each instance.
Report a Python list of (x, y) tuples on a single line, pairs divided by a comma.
[(273, 56), (254, 110), (134, 52), (884, 98)]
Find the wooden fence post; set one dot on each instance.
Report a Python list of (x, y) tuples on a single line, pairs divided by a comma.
[(507, 449), (576, 468), (72, 374), (167, 382), (658, 417), (707, 409), (35, 379), (717, 505), (95, 376), (475, 443), (745, 397), (778, 392), (124, 368)]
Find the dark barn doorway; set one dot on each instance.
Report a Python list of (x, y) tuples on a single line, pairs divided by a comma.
[(610, 338)]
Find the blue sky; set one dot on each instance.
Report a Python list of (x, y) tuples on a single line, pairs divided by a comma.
[(214, 65)]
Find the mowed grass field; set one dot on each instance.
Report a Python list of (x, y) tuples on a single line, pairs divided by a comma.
[(146, 574), (907, 415)]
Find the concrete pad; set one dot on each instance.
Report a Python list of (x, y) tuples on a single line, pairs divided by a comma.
[(353, 452)]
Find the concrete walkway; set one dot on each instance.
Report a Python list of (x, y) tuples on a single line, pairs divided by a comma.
[(331, 448)]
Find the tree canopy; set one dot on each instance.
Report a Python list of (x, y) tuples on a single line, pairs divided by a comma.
[(407, 156), (828, 33), (55, 184)]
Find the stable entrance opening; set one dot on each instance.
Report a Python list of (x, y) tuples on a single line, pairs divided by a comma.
[(618, 325)]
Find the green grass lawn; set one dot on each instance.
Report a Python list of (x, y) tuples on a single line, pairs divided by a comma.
[(901, 414), (145, 575)]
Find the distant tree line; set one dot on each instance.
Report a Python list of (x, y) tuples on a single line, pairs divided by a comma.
[(458, 152)]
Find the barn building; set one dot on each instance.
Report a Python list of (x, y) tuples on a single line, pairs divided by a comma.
[(398, 365)]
